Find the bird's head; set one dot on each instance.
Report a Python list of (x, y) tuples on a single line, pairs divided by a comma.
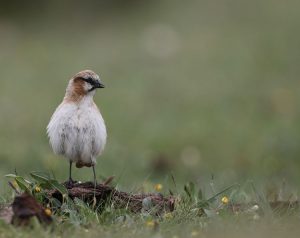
[(83, 83)]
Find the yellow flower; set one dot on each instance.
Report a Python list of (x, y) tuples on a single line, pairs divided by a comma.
[(158, 187), (225, 200), (150, 223), (37, 189), (168, 215), (48, 212), (194, 233)]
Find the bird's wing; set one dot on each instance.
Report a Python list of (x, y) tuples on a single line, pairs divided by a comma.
[(60, 129), (99, 140)]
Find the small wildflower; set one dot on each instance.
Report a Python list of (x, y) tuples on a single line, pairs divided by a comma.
[(168, 215), (37, 189), (150, 223), (48, 212), (158, 187), (225, 200), (194, 233)]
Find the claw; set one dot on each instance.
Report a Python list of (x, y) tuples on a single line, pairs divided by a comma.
[(70, 182)]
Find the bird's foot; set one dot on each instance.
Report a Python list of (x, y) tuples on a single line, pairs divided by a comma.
[(70, 183)]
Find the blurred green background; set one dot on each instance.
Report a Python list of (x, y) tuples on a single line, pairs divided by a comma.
[(193, 88)]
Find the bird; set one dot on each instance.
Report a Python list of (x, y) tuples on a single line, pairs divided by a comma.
[(77, 129)]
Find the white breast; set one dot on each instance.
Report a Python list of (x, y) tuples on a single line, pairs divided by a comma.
[(77, 131)]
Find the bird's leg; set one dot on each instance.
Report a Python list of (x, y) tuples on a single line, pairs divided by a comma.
[(95, 184), (70, 182), (95, 181)]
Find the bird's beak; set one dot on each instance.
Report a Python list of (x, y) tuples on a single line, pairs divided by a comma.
[(98, 84)]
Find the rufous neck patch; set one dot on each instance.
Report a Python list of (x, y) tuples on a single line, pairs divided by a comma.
[(77, 90)]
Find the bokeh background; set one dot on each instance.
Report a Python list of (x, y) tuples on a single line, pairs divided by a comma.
[(193, 88)]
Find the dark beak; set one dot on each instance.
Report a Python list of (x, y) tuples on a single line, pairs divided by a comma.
[(98, 85)]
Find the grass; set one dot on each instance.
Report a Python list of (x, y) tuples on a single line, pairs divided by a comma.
[(193, 90), (223, 101), (196, 215), (194, 228)]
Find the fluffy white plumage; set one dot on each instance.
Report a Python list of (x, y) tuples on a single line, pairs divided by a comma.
[(77, 130)]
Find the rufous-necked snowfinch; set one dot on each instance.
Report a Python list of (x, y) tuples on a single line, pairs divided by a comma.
[(76, 129)]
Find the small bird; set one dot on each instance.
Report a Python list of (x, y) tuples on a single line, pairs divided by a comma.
[(76, 129)]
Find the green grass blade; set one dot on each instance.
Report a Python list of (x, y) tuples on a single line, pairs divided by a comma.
[(223, 191)]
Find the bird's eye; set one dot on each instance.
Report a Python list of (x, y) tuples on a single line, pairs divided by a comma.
[(90, 81)]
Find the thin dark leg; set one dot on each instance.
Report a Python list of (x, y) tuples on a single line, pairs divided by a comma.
[(95, 182), (70, 182)]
